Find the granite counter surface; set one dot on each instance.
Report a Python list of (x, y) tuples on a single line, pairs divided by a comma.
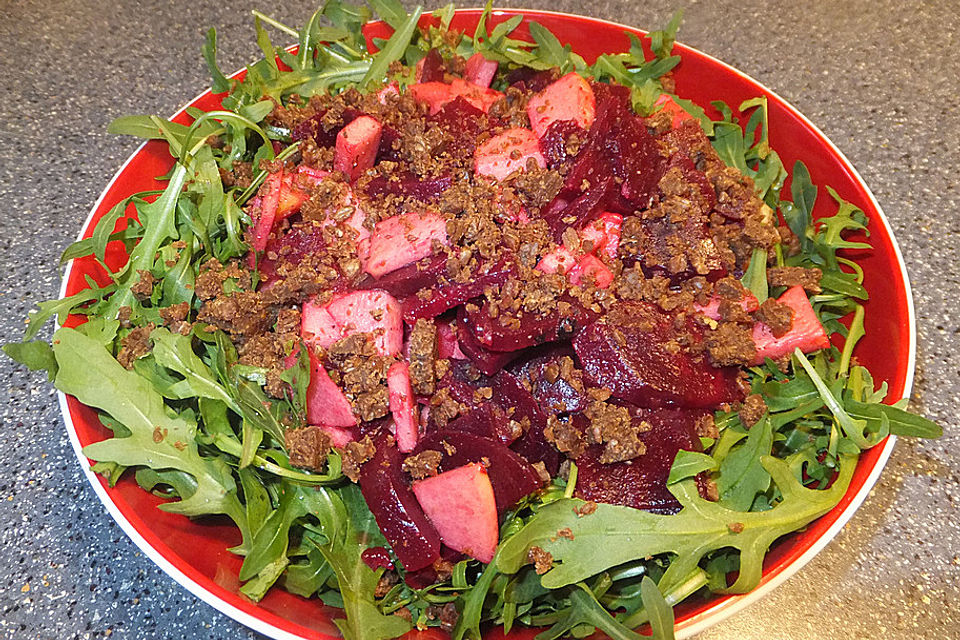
[(880, 77)]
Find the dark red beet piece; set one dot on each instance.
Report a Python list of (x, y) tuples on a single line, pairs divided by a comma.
[(461, 381), (446, 295), (553, 144), (691, 174), (313, 128), (386, 150), (300, 241), (630, 352), (396, 510), (641, 483), (464, 123), (487, 420), (377, 558), (586, 206), (520, 404), (532, 80), (514, 398), (409, 185), (409, 279), (487, 361), (510, 474), (431, 67), (554, 397), (532, 330), (423, 578), (639, 163)]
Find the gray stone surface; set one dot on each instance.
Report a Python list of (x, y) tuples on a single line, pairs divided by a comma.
[(880, 77)]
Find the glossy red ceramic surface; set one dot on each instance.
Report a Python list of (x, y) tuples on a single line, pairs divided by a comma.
[(195, 553)]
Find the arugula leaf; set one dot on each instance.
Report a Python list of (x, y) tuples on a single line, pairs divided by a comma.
[(61, 308), (549, 49), (614, 535), (853, 428), (350, 529), (175, 352), (899, 422), (585, 611), (741, 476), (36, 355), (157, 439), (662, 40), (661, 613), (272, 539), (688, 464), (306, 578), (391, 11), (755, 277), (220, 83), (799, 213), (393, 50)]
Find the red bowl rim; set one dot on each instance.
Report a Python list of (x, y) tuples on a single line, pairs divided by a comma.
[(266, 622)]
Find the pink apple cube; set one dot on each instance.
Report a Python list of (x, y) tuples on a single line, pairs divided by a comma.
[(569, 98), (460, 505), (504, 154), (402, 240), (807, 333), (402, 406), (356, 146), (480, 71)]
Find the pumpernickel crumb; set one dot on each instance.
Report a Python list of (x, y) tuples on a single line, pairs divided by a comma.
[(776, 315), (809, 279), (752, 410), (730, 344), (135, 345), (447, 614), (354, 455), (565, 436), (611, 426), (586, 509), (423, 465), (542, 560), (308, 447), (363, 375), (143, 287), (423, 355)]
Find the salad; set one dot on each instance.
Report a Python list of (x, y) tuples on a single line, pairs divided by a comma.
[(461, 331)]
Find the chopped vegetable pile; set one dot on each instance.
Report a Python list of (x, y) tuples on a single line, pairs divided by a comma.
[(461, 331)]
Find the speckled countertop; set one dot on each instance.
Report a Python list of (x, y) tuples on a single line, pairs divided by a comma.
[(869, 73)]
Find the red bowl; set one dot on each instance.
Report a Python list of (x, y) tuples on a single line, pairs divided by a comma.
[(195, 553)]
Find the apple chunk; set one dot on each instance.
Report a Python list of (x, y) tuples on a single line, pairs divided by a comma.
[(461, 506)]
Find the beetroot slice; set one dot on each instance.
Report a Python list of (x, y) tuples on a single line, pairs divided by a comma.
[(445, 295), (313, 127), (499, 334), (641, 483), (487, 420), (396, 510), (516, 400), (630, 352), (487, 361), (553, 142), (430, 68), (511, 475), (409, 185), (463, 122), (409, 279), (552, 397), (300, 241)]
